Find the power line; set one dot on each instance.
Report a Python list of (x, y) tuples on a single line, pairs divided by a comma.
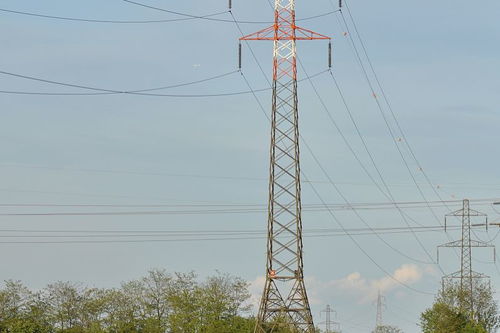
[(354, 240), (218, 177), (188, 235), (338, 206), (183, 210), (337, 189), (389, 105), (220, 20), (322, 235), (382, 113), (114, 91), (390, 130), (107, 21), (191, 17), (197, 232), (389, 194), (141, 92)]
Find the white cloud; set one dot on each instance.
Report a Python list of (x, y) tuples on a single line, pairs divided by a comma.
[(367, 289), (256, 288), (363, 290)]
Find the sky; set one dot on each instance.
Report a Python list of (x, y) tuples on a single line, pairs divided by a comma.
[(196, 161)]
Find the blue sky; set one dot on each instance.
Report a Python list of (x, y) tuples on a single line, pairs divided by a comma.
[(437, 61)]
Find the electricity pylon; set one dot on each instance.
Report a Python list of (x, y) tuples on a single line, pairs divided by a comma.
[(466, 275), (380, 308), (284, 300), (329, 323)]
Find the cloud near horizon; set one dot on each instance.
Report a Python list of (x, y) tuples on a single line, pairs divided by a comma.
[(354, 284), (367, 289)]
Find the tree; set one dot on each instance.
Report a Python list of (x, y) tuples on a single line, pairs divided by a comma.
[(93, 310), (22, 311), (157, 303), (448, 313), (387, 329), (64, 301), (122, 311), (217, 305), (222, 299), (156, 291), (185, 315), (14, 299)]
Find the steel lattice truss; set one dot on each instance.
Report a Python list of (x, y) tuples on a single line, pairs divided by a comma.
[(466, 275), (284, 301)]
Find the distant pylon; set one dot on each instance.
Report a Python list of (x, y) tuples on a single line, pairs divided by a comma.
[(380, 308), (284, 300), (466, 275), (329, 323)]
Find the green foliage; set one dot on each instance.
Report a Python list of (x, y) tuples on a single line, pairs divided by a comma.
[(387, 329), (449, 312), (157, 303)]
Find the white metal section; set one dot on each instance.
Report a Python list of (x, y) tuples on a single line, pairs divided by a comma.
[(286, 49), (286, 4)]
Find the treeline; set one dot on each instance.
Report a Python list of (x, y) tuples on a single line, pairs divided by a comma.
[(157, 303)]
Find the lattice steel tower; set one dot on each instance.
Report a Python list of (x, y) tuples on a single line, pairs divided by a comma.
[(330, 325), (466, 275), (379, 323), (284, 301)]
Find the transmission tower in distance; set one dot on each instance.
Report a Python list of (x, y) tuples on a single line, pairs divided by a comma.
[(330, 325), (466, 276), (380, 308), (284, 301)]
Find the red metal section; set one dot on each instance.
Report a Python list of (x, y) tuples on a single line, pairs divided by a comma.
[(284, 28), (285, 67)]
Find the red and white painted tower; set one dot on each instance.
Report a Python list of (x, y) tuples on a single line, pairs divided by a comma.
[(284, 301)]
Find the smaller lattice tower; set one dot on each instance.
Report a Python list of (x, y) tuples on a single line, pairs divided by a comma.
[(379, 323), (466, 276), (331, 326)]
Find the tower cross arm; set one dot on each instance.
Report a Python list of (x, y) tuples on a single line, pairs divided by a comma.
[(264, 34), (458, 275), (473, 243), (457, 243), (305, 34), (471, 212), (269, 33)]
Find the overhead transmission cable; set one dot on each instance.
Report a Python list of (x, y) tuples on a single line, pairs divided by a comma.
[(386, 121), (64, 18), (389, 105), (182, 210), (210, 231), (140, 92), (372, 89), (382, 113), (211, 176), (355, 241), (337, 206), (220, 20), (390, 108), (26, 233), (190, 17), (337, 189), (114, 91), (144, 238)]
